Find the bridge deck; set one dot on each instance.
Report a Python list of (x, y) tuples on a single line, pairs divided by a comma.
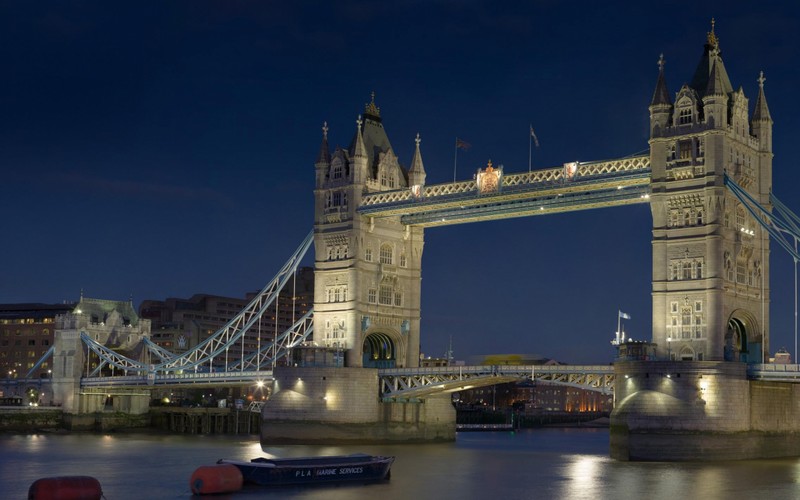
[(592, 185)]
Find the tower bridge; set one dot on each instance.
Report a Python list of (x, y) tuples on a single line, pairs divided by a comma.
[(708, 181)]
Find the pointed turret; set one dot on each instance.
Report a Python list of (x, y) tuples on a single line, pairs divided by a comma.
[(416, 174), (715, 96), (323, 162), (661, 94), (324, 156), (761, 122), (761, 112), (661, 105), (358, 153)]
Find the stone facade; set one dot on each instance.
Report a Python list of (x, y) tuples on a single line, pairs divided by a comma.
[(701, 410), (710, 256), (110, 323), (368, 270), (341, 405)]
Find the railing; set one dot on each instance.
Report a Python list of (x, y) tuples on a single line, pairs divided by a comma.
[(774, 372), (543, 177)]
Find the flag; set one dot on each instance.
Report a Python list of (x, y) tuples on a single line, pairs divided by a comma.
[(624, 315), (535, 139), (462, 144)]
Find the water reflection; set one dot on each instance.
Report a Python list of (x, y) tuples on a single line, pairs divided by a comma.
[(552, 463)]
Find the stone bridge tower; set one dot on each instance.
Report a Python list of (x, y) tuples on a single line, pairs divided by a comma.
[(710, 257), (367, 270)]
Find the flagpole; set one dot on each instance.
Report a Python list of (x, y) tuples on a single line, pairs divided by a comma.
[(455, 160)]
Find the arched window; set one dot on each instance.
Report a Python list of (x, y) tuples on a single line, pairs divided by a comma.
[(699, 216), (386, 254), (685, 116)]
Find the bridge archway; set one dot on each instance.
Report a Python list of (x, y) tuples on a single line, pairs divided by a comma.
[(742, 338), (379, 350)]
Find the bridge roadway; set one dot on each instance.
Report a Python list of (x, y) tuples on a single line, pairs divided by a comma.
[(403, 383)]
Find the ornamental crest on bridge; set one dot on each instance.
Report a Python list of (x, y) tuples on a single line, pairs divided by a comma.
[(489, 179)]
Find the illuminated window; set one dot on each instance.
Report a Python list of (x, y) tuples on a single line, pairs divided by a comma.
[(368, 254), (402, 260), (372, 295)]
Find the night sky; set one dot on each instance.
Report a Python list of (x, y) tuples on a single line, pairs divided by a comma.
[(163, 149)]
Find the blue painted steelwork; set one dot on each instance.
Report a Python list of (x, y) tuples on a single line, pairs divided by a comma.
[(38, 364), (218, 343), (778, 223)]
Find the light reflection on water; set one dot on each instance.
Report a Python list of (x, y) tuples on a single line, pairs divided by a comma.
[(550, 463)]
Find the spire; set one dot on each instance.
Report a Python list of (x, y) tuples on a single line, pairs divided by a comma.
[(358, 148), (416, 174), (371, 111), (324, 156), (661, 95), (761, 112), (712, 56)]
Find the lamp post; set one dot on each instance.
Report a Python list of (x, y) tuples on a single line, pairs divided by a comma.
[(669, 348)]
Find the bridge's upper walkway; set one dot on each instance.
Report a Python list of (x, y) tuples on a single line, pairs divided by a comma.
[(574, 186)]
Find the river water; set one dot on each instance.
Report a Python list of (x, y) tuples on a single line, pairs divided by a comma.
[(541, 463)]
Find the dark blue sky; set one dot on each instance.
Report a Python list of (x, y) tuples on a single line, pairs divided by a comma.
[(160, 150)]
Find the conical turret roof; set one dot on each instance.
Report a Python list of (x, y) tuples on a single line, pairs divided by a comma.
[(661, 94), (761, 111)]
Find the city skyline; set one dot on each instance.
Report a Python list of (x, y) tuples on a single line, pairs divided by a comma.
[(162, 151)]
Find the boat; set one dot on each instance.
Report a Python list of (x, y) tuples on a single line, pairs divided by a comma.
[(313, 470)]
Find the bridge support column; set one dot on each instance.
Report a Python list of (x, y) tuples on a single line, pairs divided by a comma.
[(341, 405), (68, 359), (701, 410)]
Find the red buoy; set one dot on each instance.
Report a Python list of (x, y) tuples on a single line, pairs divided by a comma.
[(221, 478), (65, 488)]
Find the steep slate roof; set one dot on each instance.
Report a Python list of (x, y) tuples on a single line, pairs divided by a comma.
[(101, 308), (375, 139), (711, 61)]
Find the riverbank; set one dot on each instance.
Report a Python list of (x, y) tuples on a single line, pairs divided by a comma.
[(171, 420)]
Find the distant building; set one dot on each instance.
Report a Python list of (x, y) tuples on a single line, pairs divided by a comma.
[(26, 334), (782, 357), (533, 396), (536, 397), (434, 362), (179, 325)]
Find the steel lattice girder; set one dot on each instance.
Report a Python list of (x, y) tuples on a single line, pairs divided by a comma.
[(420, 382)]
